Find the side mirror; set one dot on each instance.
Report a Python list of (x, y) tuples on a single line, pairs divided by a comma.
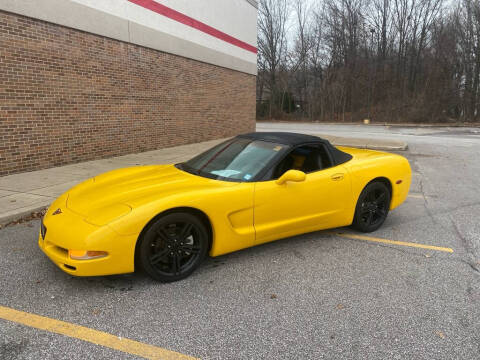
[(291, 175)]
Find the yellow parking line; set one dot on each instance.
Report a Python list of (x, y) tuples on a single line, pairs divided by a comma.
[(416, 196), (93, 336), (392, 242)]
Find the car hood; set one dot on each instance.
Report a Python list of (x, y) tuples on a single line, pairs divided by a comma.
[(125, 188)]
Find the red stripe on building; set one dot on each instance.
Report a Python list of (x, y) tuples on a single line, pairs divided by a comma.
[(187, 20)]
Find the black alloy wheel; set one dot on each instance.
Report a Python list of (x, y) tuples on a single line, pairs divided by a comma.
[(173, 247), (372, 207)]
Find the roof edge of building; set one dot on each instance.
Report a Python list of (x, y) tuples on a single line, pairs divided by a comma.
[(98, 22)]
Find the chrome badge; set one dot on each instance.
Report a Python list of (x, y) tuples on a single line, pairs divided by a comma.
[(58, 211)]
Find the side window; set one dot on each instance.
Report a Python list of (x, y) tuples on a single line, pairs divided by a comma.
[(308, 158)]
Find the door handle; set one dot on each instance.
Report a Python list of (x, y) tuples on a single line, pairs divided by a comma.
[(337, 177)]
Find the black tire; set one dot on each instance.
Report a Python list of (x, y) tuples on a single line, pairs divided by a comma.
[(173, 247), (372, 207)]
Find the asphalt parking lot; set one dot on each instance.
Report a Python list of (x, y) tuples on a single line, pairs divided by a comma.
[(315, 296)]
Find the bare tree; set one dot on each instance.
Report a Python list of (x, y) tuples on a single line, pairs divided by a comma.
[(272, 42), (391, 60), (467, 21)]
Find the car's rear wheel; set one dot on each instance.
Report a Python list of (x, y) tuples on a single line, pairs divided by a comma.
[(372, 207), (173, 247)]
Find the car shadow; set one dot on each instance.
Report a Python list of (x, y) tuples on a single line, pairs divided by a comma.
[(296, 245)]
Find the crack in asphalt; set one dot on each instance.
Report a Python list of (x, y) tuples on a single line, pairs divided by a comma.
[(470, 261), (12, 349), (467, 245)]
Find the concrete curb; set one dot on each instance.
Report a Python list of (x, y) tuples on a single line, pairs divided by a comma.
[(371, 144), (373, 124), (361, 143), (24, 213)]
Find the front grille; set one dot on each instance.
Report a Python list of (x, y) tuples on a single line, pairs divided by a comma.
[(58, 251), (70, 267)]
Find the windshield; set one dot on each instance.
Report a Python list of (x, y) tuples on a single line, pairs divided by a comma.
[(238, 159)]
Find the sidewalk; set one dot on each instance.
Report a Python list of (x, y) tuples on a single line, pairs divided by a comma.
[(27, 193)]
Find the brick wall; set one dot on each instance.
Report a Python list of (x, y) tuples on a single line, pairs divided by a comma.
[(68, 96)]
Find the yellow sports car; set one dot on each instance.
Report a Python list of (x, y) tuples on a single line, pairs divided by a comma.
[(249, 190)]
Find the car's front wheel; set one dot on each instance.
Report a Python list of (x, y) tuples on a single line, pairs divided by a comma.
[(173, 247), (372, 207)]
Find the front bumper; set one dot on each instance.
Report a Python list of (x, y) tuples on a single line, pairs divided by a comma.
[(69, 231)]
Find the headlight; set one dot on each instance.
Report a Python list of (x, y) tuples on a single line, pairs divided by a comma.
[(86, 255)]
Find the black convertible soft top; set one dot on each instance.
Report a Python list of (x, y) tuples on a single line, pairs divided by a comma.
[(294, 139), (285, 138)]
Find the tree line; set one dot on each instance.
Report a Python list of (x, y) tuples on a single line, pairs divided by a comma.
[(385, 60)]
